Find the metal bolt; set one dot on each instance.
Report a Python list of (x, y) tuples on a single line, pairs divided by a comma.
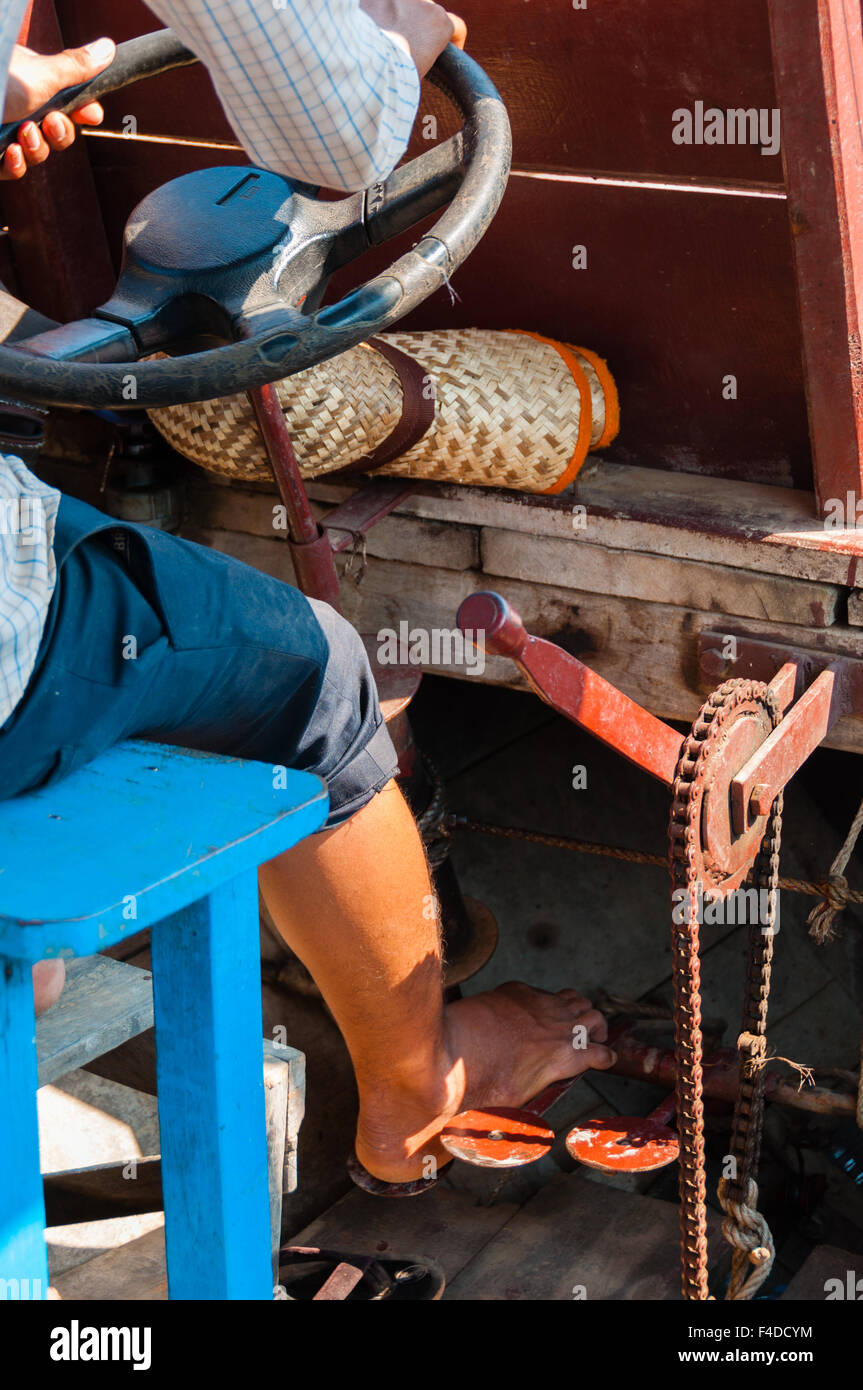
[(760, 800), (713, 663)]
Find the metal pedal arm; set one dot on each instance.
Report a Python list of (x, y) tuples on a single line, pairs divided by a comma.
[(572, 689)]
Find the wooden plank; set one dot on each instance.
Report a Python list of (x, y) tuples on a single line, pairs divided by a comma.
[(22, 1209), (103, 1004), (103, 1191), (443, 1225), (134, 1272), (647, 649), (767, 529), (748, 526), (396, 537), (546, 560), (285, 1102), (289, 1066), (818, 51), (207, 999), (600, 570), (824, 1265), (855, 608), (580, 1240)]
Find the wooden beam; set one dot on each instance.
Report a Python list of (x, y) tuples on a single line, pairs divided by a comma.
[(102, 1192), (818, 61)]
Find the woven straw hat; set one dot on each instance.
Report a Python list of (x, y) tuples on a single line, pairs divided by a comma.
[(511, 409)]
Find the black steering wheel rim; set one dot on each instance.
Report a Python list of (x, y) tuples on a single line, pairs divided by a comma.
[(279, 349)]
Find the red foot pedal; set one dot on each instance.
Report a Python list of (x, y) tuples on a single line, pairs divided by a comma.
[(364, 1179), (623, 1144), (497, 1138)]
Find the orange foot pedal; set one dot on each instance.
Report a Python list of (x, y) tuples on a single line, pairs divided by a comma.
[(501, 1137), (626, 1143)]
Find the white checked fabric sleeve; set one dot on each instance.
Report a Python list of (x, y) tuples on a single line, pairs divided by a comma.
[(28, 574), (313, 88)]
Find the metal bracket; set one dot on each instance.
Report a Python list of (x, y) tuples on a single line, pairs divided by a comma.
[(826, 687)]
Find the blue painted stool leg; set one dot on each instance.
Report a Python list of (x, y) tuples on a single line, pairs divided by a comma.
[(23, 1257), (209, 1072)]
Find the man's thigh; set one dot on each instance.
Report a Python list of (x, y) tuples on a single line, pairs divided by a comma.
[(169, 640)]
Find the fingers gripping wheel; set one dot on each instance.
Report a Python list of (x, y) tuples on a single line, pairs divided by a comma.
[(242, 257)]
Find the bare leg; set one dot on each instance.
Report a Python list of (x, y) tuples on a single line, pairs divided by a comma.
[(356, 905), (48, 979)]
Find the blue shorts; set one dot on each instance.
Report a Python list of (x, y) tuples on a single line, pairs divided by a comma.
[(150, 636)]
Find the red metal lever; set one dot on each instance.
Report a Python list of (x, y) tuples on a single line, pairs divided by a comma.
[(571, 688)]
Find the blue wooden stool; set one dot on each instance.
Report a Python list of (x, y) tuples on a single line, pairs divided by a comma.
[(153, 836)]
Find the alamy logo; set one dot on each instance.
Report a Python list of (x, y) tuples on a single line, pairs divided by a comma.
[(77, 1343), (21, 1290), (22, 516), (851, 1289), (744, 907), (735, 126), (437, 646)]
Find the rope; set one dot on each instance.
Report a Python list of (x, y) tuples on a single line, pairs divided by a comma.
[(746, 1229), (833, 889), (836, 894)]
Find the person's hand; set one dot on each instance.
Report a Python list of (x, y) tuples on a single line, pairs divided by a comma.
[(420, 27), (35, 78)]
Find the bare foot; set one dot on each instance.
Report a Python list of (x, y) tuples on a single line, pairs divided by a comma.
[(49, 976), (503, 1048)]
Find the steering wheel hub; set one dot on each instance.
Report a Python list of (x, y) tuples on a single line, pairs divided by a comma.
[(204, 222)]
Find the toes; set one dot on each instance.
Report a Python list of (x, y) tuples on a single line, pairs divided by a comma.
[(517, 989), (574, 999), (599, 1058), (594, 1057), (590, 1024)]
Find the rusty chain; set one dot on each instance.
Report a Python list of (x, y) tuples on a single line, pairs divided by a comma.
[(685, 847)]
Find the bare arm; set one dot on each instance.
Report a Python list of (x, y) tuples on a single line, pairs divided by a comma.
[(421, 27)]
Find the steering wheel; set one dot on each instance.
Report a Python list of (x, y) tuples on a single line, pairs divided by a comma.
[(227, 267)]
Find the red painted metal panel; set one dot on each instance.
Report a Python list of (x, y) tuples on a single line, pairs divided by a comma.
[(818, 51)]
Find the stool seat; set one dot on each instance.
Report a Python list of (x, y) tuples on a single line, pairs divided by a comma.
[(149, 835), (139, 833)]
